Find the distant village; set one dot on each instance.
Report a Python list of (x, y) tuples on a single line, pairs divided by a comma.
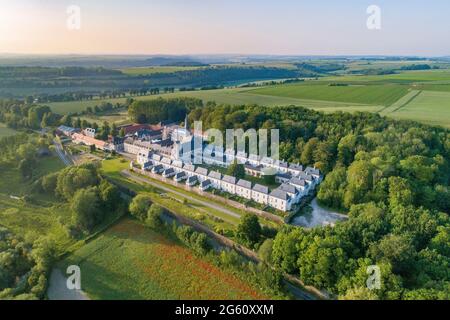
[(168, 149)]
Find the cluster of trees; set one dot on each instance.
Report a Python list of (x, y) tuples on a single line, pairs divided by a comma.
[(17, 114), (24, 267), (23, 151), (154, 111), (410, 246), (393, 179), (91, 197)]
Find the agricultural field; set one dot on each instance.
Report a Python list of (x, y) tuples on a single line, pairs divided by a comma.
[(430, 107), (130, 261), (5, 131), (160, 69), (360, 94)]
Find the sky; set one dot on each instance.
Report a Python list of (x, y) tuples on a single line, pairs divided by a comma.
[(279, 27)]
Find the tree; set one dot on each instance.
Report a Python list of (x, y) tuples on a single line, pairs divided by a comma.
[(72, 179), (236, 170), (49, 182), (249, 229), (400, 192), (265, 251), (109, 195), (86, 208), (154, 216), (122, 132), (139, 206)]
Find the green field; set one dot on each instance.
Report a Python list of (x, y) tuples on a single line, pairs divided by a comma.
[(130, 261), (151, 70), (429, 107), (403, 77), (5, 131), (360, 94)]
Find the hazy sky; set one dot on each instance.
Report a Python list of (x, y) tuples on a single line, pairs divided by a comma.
[(327, 27)]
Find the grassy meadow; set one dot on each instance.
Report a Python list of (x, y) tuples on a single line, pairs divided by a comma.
[(130, 261), (5, 131), (42, 215)]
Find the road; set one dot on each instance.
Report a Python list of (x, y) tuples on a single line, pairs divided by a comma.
[(58, 290), (61, 155), (169, 190)]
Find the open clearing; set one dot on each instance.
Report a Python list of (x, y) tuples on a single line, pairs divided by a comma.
[(130, 261), (5, 131)]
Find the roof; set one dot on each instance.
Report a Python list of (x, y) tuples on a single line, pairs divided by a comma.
[(229, 179), (281, 164), (180, 174), (284, 175), (66, 128), (205, 183), (261, 189), (279, 194), (244, 184), (202, 171), (170, 170), (305, 176), (254, 168), (313, 171), (215, 175), (288, 188), (166, 160), (89, 140), (189, 167), (298, 182), (158, 167), (192, 179), (296, 167), (267, 160), (156, 157), (177, 163)]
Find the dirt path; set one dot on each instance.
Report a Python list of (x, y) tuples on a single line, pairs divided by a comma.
[(57, 289)]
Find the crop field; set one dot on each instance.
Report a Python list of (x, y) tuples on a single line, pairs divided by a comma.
[(151, 70), (130, 261), (5, 131), (403, 77), (362, 94), (430, 107)]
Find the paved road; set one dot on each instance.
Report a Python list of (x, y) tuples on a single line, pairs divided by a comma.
[(169, 190), (61, 155), (57, 289)]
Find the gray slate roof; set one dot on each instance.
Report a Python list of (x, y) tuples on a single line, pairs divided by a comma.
[(166, 161), (189, 167), (244, 184), (205, 183), (313, 171), (261, 189), (298, 182), (288, 188), (229, 179), (202, 171), (215, 175), (156, 157), (279, 194), (296, 167)]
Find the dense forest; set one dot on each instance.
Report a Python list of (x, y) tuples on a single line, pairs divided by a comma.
[(391, 177)]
